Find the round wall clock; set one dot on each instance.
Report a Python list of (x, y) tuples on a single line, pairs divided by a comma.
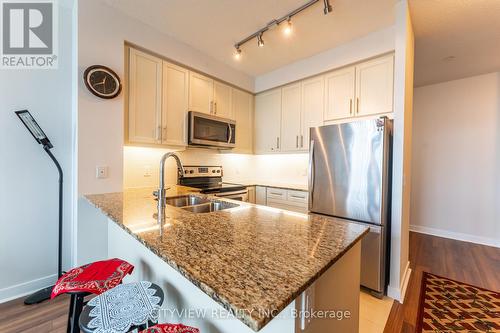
[(102, 81)]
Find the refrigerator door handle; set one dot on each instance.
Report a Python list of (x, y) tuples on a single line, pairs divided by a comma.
[(311, 173)]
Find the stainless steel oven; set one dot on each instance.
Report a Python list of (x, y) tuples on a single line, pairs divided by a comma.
[(211, 131), (236, 195)]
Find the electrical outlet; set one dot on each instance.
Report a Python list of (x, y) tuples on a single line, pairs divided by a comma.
[(101, 172)]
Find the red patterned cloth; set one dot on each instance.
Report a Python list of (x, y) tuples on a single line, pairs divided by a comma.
[(171, 328), (94, 278)]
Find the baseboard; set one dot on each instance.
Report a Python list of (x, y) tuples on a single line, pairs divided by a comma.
[(399, 293), (456, 235), (26, 288)]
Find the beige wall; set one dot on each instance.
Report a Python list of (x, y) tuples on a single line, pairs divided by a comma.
[(456, 164)]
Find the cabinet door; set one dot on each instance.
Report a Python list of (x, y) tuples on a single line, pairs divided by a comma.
[(267, 121), (222, 100), (291, 117), (201, 90), (175, 104), (313, 105), (243, 114), (374, 86), (339, 94), (144, 109)]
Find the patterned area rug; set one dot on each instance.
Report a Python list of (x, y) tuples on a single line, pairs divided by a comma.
[(448, 306)]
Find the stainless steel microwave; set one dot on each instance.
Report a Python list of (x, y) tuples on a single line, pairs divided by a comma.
[(211, 131)]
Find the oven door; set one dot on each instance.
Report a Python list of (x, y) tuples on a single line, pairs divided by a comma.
[(212, 131), (236, 195)]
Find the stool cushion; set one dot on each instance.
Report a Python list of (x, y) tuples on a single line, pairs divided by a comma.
[(171, 328), (94, 278), (124, 307)]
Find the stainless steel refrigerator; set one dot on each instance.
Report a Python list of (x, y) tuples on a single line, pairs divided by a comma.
[(349, 177)]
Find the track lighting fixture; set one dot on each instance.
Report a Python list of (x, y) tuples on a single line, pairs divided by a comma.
[(328, 8), (287, 29), (260, 41), (237, 53)]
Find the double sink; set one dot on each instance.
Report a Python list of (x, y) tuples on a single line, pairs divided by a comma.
[(196, 204)]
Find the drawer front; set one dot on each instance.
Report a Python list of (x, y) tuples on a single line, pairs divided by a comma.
[(276, 193), (299, 197), (285, 206)]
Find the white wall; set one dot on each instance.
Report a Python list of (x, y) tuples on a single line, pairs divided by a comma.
[(28, 178), (371, 45), (401, 175), (456, 164), (102, 33)]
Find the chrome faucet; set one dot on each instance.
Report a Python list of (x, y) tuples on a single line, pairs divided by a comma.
[(160, 194)]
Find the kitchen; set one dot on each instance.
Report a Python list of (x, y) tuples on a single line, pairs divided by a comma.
[(258, 178)]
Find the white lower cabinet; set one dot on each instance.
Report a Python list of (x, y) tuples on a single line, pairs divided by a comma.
[(260, 195), (292, 200)]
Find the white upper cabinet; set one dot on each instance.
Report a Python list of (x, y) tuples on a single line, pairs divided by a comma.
[(339, 101), (267, 121), (144, 100), (313, 95), (201, 93), (242, 110), (222, 106), (374, 86), (291, 117), (174, 105)]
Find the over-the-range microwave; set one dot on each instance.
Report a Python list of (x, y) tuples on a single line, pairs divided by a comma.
[(211, 131)]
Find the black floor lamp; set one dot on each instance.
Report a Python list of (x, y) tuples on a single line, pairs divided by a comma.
[(42, 139)]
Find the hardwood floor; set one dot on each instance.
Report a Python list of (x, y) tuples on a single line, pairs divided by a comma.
[(470, 263), (475, 264), (48, 316)]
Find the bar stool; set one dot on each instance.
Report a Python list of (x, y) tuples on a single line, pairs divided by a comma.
[(94, 278), (122, 309), (171, 328)]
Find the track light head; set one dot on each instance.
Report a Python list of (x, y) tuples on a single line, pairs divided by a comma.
[(260, 41), (287, 30), (328, 8), (237, 53)]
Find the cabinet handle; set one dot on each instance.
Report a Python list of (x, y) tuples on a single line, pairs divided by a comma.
[(357, 105), (296, 141), (211, 107), (277, 142), (301, 141), (215, 107), (350, 106), (158, 133)]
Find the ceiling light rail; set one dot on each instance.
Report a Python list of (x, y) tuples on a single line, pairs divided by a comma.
[(258, 34)]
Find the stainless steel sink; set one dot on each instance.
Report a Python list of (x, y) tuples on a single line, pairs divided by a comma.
[(187, 200), (210, 207)]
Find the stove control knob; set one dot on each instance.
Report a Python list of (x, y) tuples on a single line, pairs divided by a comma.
[(192, 171), (186, 171), (218, 171), (213, 171)]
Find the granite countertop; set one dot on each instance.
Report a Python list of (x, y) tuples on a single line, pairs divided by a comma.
[(253, 260), (268, 183)]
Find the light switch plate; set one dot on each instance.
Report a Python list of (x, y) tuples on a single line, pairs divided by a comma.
[(101, 172)]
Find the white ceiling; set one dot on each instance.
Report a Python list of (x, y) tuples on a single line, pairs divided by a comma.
[(214, 26), (468, 30)]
